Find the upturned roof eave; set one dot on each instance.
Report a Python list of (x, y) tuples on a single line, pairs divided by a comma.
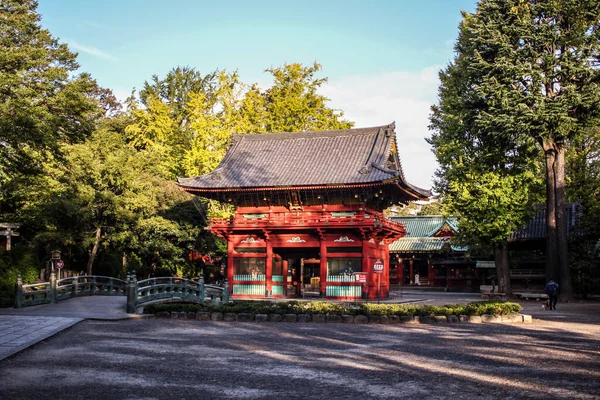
[(283, 187)]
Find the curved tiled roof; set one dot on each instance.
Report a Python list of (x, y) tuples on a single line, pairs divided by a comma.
[(419, 234), (536, 226), (425, 225), (350, 156), (422, 244)]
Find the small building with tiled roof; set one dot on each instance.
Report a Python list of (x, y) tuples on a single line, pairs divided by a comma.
[(425, 256), (426, 250), (535, 230), (308, 211), (527, 247)]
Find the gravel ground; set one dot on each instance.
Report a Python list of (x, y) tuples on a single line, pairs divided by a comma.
[(181, 359)]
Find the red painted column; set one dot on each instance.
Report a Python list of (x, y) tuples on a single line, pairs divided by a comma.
[(370, 286), (230, 252), (400, 271), (323, 268), (286, 282), (385, 278), (269, 269), (431, 275)]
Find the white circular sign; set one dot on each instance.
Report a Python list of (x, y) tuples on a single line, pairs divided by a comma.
[(378, 267)]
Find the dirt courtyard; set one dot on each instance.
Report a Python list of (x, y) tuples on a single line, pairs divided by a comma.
[(187, 359)]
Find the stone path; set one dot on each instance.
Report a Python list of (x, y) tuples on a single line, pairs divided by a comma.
[(191, 359), (17, 332), (27, 326)]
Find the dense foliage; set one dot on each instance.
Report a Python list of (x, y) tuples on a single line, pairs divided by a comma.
[(42, 101), (21, 260), (583, 186), (525, 77), (84, 175), (321, 307)]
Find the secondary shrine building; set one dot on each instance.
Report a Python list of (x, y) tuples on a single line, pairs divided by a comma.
[(309, 212)]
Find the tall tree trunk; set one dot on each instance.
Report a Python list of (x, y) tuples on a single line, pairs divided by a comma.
[(94, 251), (564, 273), (502, 268), (551, 232)]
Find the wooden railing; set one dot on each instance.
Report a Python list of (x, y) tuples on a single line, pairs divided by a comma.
[(525, 273), (305, 219), (138, 293)]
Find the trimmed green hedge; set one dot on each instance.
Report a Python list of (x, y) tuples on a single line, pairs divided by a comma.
[(322, 307)]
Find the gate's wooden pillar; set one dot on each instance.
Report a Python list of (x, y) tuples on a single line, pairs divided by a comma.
[(431, 272), (411, 272), (323, 267), (385, 279), (287, 280), (371, 284), (269, 269), (230, 252), (400, 271)]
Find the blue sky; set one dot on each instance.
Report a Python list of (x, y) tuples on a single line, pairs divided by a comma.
[(381, 57)]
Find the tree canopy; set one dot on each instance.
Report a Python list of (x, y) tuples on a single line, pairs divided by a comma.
[(42, 102), (192, 116), (98, 182), (525, 72)]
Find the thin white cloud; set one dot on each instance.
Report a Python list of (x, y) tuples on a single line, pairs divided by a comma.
[(450, 43), (404, 97), (96, 24), (93, 51)]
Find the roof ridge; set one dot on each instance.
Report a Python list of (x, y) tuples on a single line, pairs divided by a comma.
[(417, 216), (310, 134)]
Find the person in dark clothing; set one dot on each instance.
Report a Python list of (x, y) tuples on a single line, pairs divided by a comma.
[(552, 291)]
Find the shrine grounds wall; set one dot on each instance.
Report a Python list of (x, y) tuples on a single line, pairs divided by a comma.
[(347, 319)]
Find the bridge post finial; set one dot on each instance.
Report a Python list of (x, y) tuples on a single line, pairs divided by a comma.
[(131, 292), (53, 288), (75, 287), (202, 293), (226, 292), (19, 292)]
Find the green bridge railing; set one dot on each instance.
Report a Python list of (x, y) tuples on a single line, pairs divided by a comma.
[(137, 292), (156, 289)]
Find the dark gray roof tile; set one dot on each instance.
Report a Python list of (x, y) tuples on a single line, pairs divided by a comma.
[(350, 156)]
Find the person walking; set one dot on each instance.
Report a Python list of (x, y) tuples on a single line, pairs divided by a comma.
[(552, 290)]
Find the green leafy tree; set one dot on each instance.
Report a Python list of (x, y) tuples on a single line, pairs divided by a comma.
[(108, 197), (293, 103), (42, 103), (188, 117), (535, 76), (535, 73), (487, 176), (194, 116), (175, 88)]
